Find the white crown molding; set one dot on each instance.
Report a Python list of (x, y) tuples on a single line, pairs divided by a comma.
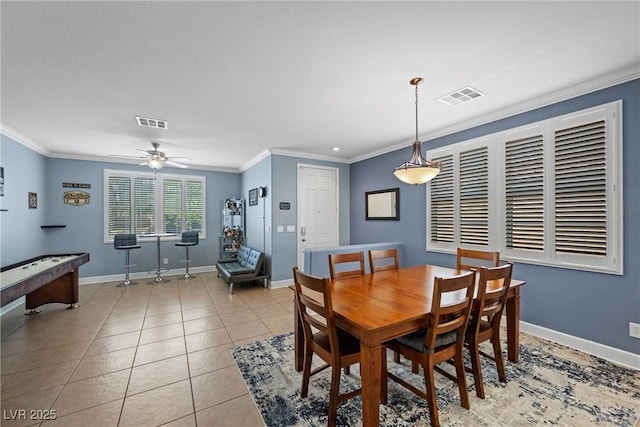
[(289, 153), (68, 156), (22, 139), (255, 159), (603, 82), (312, 156)]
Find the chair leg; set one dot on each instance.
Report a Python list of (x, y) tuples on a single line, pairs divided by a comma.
[(396, 357), (333, 395), (187, 262), (306, 371), (497, 351), (476, 368), (127, 266), (430, 385), (461, 379), (347, 370)]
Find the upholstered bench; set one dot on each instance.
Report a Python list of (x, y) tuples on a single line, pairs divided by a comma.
[(245, 268)]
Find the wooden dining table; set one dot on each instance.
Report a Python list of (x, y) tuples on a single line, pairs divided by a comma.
[(385, 305)]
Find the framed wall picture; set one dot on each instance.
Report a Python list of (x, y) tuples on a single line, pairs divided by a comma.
[(33, 200), (382, 204), (253, 197)]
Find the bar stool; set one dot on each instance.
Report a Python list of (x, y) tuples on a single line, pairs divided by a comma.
[(189, 238), (126, 242)]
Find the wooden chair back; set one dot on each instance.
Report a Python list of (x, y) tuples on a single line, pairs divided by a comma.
[(493, 287), (336, 347), (383, 254), (484, 324), (352, 257), (482, 259), (450, 307)]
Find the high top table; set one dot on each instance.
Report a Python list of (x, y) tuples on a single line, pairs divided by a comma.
[(159, 270), (385, 305)]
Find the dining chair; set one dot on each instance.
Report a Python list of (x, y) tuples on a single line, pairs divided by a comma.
[(381, 260), (377, 260), (347, 258), (441, 341), (482, 259), (484, 323), (336, 347)]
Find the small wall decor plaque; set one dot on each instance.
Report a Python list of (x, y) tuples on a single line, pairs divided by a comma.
[(76, 198), (75, 185), (33, 200)]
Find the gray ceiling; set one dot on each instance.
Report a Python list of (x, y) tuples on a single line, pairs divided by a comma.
[(235, 79)]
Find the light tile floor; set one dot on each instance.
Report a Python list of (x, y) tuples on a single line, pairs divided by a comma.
[(147, 355)]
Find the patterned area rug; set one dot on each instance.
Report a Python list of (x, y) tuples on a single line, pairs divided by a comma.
[(551, 385)]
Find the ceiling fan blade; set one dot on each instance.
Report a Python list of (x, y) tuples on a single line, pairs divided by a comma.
[(188, 159), (126, 157), (178, 165), (143, 163)]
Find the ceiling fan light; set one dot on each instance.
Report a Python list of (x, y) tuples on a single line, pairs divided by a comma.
[(156, 162)]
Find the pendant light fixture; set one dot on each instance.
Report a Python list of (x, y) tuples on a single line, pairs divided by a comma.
[(417, 170)]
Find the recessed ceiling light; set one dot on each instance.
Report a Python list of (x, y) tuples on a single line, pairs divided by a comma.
[(336, 148)]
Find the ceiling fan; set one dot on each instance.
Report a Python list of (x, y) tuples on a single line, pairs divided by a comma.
[(157, 159)]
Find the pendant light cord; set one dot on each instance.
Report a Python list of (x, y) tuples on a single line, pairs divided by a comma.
[(416, 112)]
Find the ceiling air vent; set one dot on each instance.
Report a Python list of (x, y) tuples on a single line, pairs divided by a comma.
[(152, 123), (461, 96)]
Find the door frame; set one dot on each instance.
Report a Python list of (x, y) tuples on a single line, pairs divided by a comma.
[(299, 167)]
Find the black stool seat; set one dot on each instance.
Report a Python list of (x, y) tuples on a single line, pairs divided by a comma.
[(126, 242), (188, 239)]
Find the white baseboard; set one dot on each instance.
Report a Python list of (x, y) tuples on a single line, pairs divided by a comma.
[(280, 283), (621, 357), (143, 275), (13, 304)]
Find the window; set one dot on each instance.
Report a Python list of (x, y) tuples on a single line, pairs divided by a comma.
[(139, 202), (546, 193)]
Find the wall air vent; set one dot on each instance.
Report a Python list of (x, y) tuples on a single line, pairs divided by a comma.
[(152, 123), (461, 96)]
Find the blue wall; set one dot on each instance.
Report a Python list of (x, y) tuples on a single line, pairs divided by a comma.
[(284, 183), (84, 224), (25, 171), (594, 306)]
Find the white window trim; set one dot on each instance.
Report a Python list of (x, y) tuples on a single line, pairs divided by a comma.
[(159, 197), (612, 263)]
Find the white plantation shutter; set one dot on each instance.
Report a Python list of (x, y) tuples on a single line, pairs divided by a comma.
[(119, 205), (194, 205), (141, 202), (172, 197), (144, 205), (524, 193), (441, 202), (474, 197), (545, 193), (581, 189)]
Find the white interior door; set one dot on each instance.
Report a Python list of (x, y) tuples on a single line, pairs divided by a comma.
[(317, 208)]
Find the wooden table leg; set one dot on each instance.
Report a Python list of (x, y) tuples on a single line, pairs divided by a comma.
[(513, 326), (370, 365), (298, 336)]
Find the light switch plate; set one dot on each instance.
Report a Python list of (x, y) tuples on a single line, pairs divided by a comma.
[(291, 228)]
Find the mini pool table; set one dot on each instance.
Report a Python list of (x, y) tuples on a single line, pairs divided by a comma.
[(43, 280)]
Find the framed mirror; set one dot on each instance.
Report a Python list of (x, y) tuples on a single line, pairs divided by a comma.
[(382, 204)]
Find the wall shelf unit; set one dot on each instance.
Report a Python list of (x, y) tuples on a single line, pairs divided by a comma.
[(232, 228)]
